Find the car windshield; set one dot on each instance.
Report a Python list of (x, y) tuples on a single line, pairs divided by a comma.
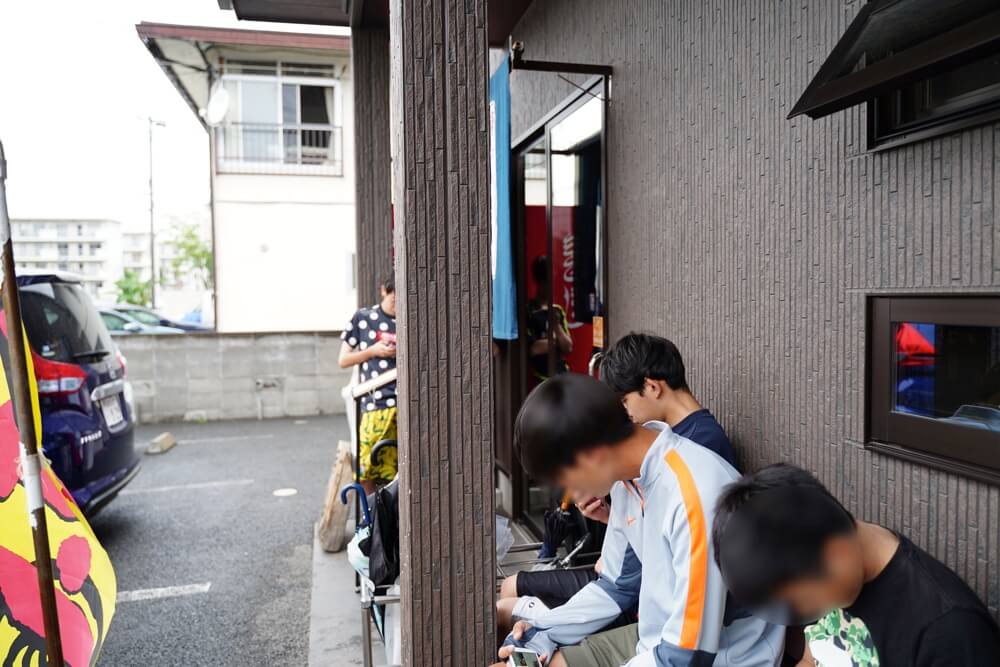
[(62, 322), (114, 322), (144, 316)]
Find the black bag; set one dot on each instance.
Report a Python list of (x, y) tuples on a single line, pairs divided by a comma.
[(383, 557)]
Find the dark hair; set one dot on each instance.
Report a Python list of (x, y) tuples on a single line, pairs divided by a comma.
[(540, 269), (770, 529), (563, 416), (389, 283), (637, 356)]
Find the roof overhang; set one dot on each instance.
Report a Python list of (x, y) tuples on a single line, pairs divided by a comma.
[(891, 27), (501, 18), (502, 15), (317, 12), (185, 53)]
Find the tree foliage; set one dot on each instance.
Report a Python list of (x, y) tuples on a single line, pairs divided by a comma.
[(191, 258), (133, 290)]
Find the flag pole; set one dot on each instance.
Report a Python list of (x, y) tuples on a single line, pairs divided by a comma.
[(30, 461)]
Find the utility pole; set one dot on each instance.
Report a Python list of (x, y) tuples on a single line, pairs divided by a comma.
[(152, 225)]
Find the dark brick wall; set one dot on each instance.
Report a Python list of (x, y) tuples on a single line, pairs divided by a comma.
[(373, 215), (753, 241), (441, 195)]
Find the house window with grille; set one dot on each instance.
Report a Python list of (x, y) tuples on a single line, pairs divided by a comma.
[(282, 117)]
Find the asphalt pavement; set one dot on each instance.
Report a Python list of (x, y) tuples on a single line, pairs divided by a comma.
[(213, 567)]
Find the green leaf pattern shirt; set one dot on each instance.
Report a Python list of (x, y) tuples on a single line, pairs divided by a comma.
[(841, 640)]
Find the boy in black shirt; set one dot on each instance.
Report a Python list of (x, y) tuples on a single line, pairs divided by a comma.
[(790, 551)]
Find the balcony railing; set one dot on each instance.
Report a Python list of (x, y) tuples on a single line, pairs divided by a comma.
[(262, 148)]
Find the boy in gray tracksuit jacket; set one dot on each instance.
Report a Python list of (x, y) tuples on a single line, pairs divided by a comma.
[(657, 554)]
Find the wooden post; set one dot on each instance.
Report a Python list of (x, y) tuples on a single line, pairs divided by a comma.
[(373, 212), (439, 123), (31, 467)]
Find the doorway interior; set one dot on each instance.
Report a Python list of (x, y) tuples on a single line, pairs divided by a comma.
[(558, 209)]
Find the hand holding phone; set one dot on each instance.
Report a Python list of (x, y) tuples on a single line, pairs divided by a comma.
[(515, 649), (522, 657)]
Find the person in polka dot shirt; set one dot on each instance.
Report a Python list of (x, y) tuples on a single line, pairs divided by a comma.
[(370, 343)]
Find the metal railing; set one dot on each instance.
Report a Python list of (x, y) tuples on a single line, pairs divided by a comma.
[(270, 148)]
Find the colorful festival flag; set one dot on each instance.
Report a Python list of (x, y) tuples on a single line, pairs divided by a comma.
[(85, 584)]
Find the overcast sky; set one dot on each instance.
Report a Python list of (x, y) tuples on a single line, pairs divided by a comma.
[(76, 87)]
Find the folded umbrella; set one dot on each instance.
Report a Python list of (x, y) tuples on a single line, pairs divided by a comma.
[(384, 550), (559, 523)]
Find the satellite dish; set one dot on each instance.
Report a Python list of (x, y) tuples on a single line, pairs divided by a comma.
[(218, 105)]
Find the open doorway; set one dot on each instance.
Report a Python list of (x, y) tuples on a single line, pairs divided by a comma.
[(558, 213)]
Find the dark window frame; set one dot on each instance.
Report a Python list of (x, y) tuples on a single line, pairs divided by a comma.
[(513, 357), (846, 78), (945, 122), (926, 441)]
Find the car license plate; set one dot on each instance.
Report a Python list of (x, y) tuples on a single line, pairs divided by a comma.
[(112, 409)]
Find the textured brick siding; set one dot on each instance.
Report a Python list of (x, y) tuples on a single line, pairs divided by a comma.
[(441, 195), (753, 241), (370, 65)]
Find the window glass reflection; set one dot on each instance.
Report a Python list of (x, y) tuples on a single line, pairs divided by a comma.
[(577, 194), (947, 372)]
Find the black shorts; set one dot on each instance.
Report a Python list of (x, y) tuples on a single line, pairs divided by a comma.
[(556, 587)]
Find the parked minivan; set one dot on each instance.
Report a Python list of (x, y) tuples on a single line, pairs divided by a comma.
[(88, 422)]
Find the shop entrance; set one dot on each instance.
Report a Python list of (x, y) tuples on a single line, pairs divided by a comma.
[(558, 215)]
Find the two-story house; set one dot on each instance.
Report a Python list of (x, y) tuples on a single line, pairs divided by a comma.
[(277, 107)]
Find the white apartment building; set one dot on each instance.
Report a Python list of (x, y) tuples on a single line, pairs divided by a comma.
[(135, 253), (280, 127), (90, 248)]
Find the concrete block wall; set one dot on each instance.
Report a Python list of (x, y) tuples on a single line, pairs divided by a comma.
[(234, 376)]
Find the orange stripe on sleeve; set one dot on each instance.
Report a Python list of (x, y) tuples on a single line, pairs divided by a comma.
[(695, 605)]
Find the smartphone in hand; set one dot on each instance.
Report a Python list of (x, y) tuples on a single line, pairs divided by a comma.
[(522, 657)]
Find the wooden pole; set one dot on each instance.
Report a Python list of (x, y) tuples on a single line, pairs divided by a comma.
[(30, 462), (440, 163)]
